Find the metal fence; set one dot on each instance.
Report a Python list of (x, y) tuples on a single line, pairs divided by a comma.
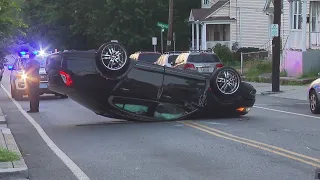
[(250, 59)]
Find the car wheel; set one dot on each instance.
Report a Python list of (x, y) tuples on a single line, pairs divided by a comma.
[(112, 60), (12, 91), (17, 96), (225, 83), (314, 102)]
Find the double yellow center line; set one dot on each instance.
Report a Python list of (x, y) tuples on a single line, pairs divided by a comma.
[(266, 147)]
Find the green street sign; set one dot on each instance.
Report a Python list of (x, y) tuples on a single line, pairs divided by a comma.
[(162, 25)]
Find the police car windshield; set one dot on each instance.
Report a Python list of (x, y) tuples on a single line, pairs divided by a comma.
[(41, 59)]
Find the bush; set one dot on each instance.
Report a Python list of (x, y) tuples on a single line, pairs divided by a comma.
[(260, 67), (223, 52)]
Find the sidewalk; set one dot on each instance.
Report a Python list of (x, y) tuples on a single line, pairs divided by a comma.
[(290, 92), (16, 170)]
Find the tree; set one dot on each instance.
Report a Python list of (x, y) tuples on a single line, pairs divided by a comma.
[(82, 24), (10, 25)]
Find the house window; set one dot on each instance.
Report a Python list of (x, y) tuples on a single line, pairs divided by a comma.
[(314, 15), (296, 14), (205, 2)]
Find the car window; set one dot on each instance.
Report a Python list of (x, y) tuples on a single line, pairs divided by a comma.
[(42, 60), (172, 58), (148, 57), (54, 62), (80, 65), (203, 58)]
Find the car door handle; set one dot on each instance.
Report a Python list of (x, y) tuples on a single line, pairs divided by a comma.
[(124, 89), (167, 96)]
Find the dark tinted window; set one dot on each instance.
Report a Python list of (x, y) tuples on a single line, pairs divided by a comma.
[(203, 58), (54, 62), (172, 58), (80, 66), (148, 57)]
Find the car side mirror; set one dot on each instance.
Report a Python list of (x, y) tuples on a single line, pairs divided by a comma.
[(10, 67), (172, 63)]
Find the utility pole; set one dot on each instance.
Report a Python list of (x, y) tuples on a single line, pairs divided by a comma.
[(170, 26), (276, 48)]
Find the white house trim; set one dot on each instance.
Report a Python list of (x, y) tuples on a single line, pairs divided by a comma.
[(191, 18), (227, 2), (204, 37), (221, 22), (304, 25)]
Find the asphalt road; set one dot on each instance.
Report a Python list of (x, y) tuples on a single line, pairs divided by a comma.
[(266, 144)]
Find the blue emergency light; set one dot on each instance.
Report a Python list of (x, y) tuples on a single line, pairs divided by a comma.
[(23, 53), (10, 67), (35, 52)]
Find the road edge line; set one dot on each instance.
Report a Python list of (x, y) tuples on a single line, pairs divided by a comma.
[(73, 167)]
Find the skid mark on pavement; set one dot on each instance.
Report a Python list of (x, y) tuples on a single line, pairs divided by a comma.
[(266, 147), (63, 157)]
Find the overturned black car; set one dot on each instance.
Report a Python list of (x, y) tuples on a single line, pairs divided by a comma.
[(109, 83)]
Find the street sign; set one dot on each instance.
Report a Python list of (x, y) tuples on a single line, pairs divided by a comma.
[(274, 30), (169, 43), (154, 41), (162, 25)]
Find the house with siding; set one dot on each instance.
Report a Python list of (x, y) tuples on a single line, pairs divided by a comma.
[(234, 23), (300, 30), (246, 23)]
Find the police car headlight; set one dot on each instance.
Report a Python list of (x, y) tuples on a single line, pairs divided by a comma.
[(24, 76)]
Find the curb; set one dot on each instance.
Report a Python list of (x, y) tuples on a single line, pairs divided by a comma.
[(16, 169), (270, 92), (283, 81)]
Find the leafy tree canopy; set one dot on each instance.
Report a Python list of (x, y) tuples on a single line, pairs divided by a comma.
[(83, 24)]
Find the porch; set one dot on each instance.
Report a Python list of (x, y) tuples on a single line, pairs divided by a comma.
[(211, 35)]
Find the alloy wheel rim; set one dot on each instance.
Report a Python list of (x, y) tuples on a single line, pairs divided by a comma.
[(228, 82), (113, 57), (313, 102)]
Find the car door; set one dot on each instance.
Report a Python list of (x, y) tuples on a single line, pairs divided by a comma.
[(143, 81), (183, 87)]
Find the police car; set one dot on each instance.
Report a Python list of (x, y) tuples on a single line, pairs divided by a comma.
[(18, 75)]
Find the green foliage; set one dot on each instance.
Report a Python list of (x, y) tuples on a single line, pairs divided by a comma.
[(11, 25), (259, 67), (7, 156), (80, 24), (224, 53)]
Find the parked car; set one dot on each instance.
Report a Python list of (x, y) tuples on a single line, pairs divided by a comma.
[(150, 57), (167, 58), (313, 96), (18, 77), (202, 61), (112, 85)]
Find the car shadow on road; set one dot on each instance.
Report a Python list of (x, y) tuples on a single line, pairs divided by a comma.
[(128, 122), (45, 97)]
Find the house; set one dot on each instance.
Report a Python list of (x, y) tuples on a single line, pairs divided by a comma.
[(246, 23), (300, 36), (234, 23)]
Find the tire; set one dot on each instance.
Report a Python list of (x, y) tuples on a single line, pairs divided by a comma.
[(17, 96), (222, 90), (314, 102), (116, 66)]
